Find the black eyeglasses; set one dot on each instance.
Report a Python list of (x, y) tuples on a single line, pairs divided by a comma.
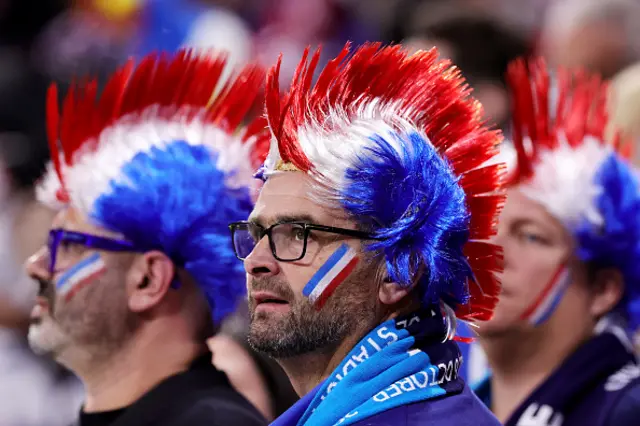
[(288, 241)]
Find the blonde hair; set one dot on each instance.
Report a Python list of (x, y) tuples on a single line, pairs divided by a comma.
[(624, 107)]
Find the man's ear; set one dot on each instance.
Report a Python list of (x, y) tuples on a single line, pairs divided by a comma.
[(390, 293), (607, 289), (148, 280)]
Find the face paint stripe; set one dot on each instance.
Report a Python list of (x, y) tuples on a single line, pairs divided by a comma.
[(544, 294), (336, 282), (341, 264), (331, 275), (80, 285), (80, 275), (555, 301), (75, 268), (69, 280), (547, 306), (325, 269)]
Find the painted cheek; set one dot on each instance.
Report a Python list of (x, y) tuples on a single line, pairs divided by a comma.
[(80, 275), (330, 275)]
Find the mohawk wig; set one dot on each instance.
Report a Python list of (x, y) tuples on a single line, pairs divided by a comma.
[(157, 160), (398, 143), (564, 163)]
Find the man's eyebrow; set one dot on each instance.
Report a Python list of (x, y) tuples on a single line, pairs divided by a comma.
[(289, 218), (284, 218)]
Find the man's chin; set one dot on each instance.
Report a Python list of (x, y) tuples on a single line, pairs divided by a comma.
[(499, 327), (44, 338)]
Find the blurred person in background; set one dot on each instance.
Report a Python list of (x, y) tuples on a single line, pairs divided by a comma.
[(287, 27), (602, 36), (558, 345), (624, 108), (135, 276), (172, 24), (477, 42), (366, 241), (624, 121), (34, 390), (256, 376)]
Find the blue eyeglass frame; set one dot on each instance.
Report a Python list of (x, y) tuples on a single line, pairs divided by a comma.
[(59, 236)]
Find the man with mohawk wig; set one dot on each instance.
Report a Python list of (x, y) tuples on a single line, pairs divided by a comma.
[(557, 346), (137, 272), (366, 241)]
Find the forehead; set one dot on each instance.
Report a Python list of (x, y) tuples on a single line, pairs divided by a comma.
[(519, 207), (72, 219), (291, 194)]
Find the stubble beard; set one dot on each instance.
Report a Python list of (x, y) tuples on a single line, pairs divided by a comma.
[(299, 331)]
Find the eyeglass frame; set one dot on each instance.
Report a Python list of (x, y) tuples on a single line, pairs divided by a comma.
[(307, 228), (58, 235)]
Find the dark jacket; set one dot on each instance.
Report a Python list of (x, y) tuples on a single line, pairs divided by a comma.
[(201, 396), (597, 385)]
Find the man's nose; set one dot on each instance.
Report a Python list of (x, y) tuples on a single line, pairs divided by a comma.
[(37, 265), (261, 262)]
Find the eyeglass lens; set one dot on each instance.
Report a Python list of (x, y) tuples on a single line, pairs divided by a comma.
[(287, 240)]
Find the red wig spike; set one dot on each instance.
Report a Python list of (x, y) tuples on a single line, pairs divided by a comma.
[(580, 111)]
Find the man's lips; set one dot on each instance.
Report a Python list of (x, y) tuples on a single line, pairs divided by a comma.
[(263, 297), (39, 310)]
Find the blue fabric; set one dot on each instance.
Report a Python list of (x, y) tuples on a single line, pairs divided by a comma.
[(166, 25), (400, 362), (627, 410), (617, 243), (410, 196), (464, 409)]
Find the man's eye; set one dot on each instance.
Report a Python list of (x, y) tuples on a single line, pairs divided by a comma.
[(298, 233), (530, 237)]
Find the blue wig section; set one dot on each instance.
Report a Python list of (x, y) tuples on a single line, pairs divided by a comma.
[(413, 202), (617, 243), (175, 200)]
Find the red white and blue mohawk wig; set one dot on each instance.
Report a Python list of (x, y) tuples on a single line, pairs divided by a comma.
[(157, 158), (398, 143), (562, 161)]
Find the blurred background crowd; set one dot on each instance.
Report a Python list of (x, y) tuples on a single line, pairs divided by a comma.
[(54, 40)]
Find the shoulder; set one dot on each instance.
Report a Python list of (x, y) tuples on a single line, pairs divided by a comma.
[(220, 411), (464, 409), (626, 411)]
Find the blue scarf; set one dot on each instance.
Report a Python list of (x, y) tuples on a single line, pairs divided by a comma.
[(400, 362)]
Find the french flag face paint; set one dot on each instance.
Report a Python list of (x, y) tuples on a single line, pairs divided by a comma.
[(79, 275), (549, 299), (333, 272)]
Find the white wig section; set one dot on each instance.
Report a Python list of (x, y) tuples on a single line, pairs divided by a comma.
[(565, 182), (336, 144), (94, 171), (47, 188)]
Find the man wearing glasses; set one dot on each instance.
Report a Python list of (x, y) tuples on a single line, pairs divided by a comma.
[(136, 275), (365, 242)]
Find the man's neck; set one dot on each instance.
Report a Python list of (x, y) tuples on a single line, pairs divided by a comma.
[(307, 371), (520, 363), (123, 378)]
